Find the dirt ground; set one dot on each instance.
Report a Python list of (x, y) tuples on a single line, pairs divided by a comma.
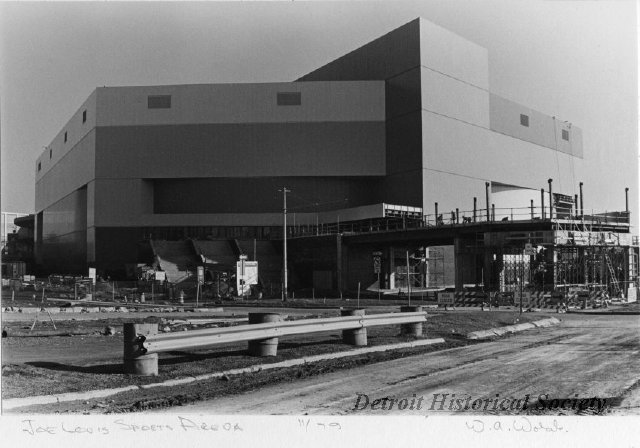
[(82, 358)]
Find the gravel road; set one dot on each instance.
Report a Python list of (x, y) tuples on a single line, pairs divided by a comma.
[(585, 357)]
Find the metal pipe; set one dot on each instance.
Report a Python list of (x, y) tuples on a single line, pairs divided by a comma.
[(284, 243), (575, 201), (542, 202), (457, 216), (475, 206), (626, 198), (436, 213), (493, 212), (487, 194), (581, 200), (550, 198), (532, 209)]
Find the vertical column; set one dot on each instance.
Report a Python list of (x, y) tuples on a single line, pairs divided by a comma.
[(392, 265), (458, 247), (339, 261)]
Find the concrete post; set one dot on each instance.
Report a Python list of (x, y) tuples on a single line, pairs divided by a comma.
[(358, 336), (135, 361), (264, 347), (413, 329)]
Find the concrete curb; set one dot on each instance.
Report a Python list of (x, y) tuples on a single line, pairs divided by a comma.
[(500, 331), (14, 403), (106, 309)]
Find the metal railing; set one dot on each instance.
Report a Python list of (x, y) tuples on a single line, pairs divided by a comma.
[(464, 217), (142, 343), (214, 336)]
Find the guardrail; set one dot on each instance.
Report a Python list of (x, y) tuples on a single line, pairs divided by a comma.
[(142, 343)]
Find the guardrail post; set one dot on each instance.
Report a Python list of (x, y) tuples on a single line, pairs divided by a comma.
[(264, 347), (357, 336), (135, 361), (413, 329)]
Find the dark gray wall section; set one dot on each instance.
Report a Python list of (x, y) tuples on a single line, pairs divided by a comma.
[(403, 93), (395, 58), (382, 58), (66, 216), (260, 195), (64, 234), (116, 247), (241, 150)]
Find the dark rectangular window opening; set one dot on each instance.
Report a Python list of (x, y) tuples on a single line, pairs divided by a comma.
[(39, 166), (84, 116), (565, 135), (50, 152), (65, 137), (289, 98), (159, 102), (524, 120)]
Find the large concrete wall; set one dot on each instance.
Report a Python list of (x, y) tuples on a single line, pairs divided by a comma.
[(64, 233), (58, 150), (72, 171), (542, 130), (241, 150), (459, 158), (447, 53), (242, 103)]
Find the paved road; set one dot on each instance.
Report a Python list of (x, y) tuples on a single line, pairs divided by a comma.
[(587, 356)]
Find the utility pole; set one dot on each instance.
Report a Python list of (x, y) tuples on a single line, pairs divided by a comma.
[(284, 244)]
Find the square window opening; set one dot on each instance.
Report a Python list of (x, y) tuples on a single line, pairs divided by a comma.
[(159, 102), (289, 98), (565, 135), (524, 120)]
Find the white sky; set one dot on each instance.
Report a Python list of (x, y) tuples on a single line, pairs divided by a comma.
[(576, 60)]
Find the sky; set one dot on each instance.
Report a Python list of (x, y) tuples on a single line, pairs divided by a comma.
[(576, 60)]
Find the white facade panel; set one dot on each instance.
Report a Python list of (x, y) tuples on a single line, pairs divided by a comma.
[(447, 96), (451, 146), (450, 54)]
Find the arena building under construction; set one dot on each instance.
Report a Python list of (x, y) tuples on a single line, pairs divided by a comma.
[(402, 132)]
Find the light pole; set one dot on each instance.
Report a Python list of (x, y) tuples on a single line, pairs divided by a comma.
[(284, 244)]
